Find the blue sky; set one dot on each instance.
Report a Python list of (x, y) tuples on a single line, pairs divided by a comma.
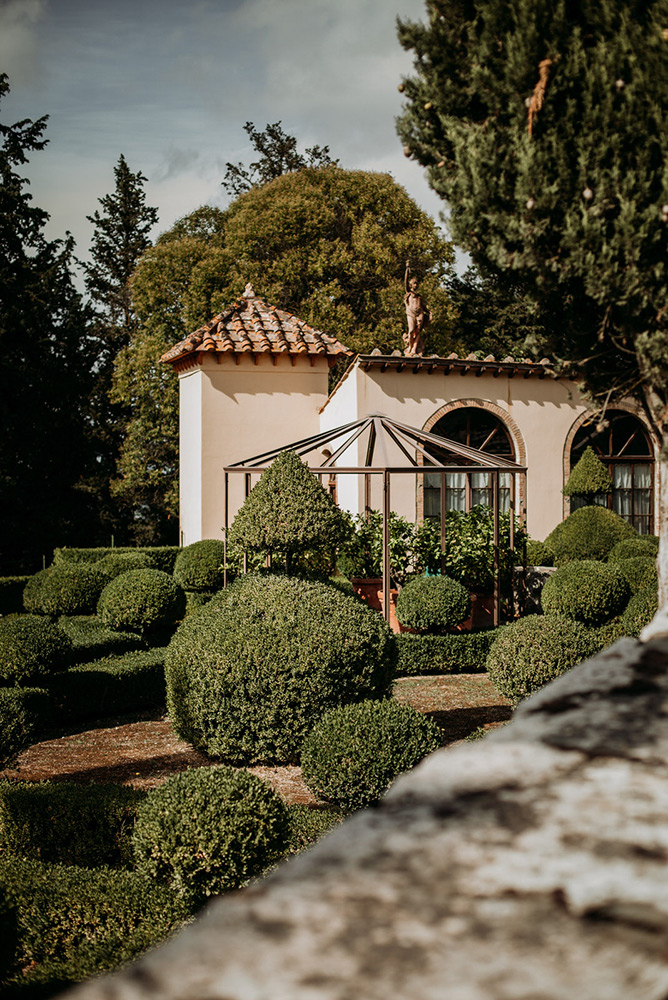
[(170, 84)]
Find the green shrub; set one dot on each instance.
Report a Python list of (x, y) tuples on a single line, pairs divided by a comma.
[(608, 633), (539, 554), (31, 647), (92, 639), (75, 922), (64, 590), (587, 591), (200, 566), (115, 685), (308, 824), (639, 611), (141, 600), (115, 563), (208, 830), (361, 554), (23, 712), (589, 477), (11, 593), (639, 571), (354, 752), (463, 653), (433, 604), (532, 651), (588, 533), (642, 545), (195, 601), (87, 825), (161, 556), (249, 674)]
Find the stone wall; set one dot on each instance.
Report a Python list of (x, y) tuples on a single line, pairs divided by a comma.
[(528, 866)]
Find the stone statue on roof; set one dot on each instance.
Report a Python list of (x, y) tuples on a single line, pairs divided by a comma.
[(417, 314)]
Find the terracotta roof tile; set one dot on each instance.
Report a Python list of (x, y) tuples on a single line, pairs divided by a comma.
[(250, 325)]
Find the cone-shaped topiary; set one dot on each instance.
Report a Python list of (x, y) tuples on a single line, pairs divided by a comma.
[(588, 476), (288, 511)]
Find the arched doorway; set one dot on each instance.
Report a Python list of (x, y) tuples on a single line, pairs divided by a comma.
[(625, 448), (480, 429)]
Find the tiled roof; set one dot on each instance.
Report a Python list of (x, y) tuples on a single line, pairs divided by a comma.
[(251, 326), (472, 364)]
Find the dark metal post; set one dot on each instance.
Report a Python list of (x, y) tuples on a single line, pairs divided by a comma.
[(247, 489), (497, 567), (443, 523), (227, 521), (386, 545)]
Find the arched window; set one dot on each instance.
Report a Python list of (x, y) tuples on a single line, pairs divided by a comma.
[(625, 448), (478, 429)]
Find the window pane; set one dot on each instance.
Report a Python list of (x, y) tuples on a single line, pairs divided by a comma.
[(642, 476), (622, 476)]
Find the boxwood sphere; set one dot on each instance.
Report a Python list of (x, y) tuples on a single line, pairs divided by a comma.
[(200, 566), (640, 610), (642, 545), (588, 533), (640, 572), (433, 604), (141, 600), (31, 646), (249, 674), (64, 589), (529, 653), (354, 752), (208, 830), (587, 591), (115, 563)]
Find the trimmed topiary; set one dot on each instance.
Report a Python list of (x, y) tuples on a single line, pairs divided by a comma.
[(142, 600), (433, 604), (115, 563), (23, 711), (459, 653), (249, 674), (608, 633), (309, 824), (208, 830), (65, 589), (161, 556), (199, 566), (639, 611), (642, 545), (587, 591), (31, 647), (588, 533), (640, 572), (588, 477), (531, 652), (355, 751), (539, 554), (288, 511)]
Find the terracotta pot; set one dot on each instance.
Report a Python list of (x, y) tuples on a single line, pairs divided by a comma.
[(482, 613), (371, 591)]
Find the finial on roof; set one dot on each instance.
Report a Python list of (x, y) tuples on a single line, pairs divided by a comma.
[(249, 291)]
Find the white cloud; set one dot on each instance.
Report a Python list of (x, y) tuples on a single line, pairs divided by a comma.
[(18, 44)]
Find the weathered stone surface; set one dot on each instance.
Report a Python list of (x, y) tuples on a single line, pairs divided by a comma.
[(529, 866)]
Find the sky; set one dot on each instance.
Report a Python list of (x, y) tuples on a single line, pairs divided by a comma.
[(170, 84)]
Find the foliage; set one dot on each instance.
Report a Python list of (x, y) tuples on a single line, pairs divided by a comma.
[(11, 593), (643, 545), (433, 604), (288, 511), (462, 653), (609, 632), (64, 590), (23, 711), (543, 126), (248, 675), (44, 370), (115, 563), (532, 651), (31, 647), (208, 830), (308, 825), (88, 825), (588, 533), (588, 476), (354, 752), (361, 554), (200, 566), (141, 600), (539, 554), (640, 571), (278, 155), (639, 611), (586, 591), (92, 639), (469, 548), (76, 922), (161, 556)]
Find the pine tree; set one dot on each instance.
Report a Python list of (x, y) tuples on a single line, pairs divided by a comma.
[(544, 125), (120, 237), (278, 155)]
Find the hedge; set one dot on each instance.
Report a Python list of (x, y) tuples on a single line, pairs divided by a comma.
[(116, 563), (85, 825), (92, 639), (11, 593), (199, 566), (433, 604), (75, 922), (529, 653), (538, 553), (462, 653), (31, 647), (587, 591), (162, 556), (588, 533), (64, 590), (23, 713), (354, 752), (309, 824), (142, 600), (208, 830), (249, 674), (640, 610)]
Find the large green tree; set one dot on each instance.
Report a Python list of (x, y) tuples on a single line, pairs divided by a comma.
[(45, 361), (543, 124), (277, 155)]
